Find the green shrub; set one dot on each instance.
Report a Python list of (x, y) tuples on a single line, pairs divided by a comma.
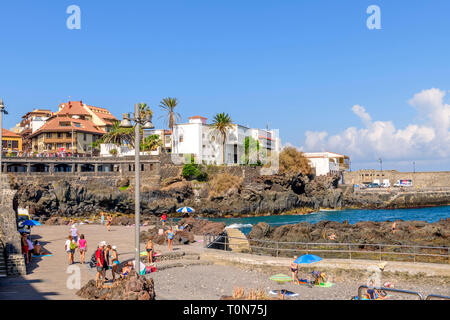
[(193, 171)]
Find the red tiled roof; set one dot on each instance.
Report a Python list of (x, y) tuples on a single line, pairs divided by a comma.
[(54, 125), (7, 133), (73, 108)]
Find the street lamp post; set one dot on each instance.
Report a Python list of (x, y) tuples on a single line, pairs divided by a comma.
[(2, 111), (147, 124), (414, 167)]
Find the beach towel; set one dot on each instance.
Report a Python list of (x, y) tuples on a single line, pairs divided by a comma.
[(43, 255), (284, 292)]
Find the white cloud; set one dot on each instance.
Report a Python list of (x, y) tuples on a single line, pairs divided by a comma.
[(428, 140)]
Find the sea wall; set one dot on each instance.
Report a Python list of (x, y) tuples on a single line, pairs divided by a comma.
[(419, 179)]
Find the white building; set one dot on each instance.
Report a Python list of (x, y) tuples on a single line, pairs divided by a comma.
[(328, 162), (200, 139)]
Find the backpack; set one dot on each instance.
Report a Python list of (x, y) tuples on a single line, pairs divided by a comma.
[(73, 245), (93, 261)]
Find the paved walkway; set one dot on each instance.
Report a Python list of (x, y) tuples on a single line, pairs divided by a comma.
[(47, 277)]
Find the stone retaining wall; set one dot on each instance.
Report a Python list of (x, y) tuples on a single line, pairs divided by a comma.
[(15, 263)]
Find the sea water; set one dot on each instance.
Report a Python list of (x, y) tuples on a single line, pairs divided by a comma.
[(430, 214)]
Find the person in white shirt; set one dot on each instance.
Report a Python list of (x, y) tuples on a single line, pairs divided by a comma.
[(30, 250)]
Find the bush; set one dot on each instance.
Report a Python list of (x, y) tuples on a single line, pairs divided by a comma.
[(292, 161), (113, 152), (193, 171), (223, 182)]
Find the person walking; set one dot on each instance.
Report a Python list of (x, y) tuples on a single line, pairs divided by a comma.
[(163, 219), (102, 218), (70, 247), (74, 232), (24, 244), (170, 235), (149, 248), (108, 223), (100, 259), (82, 247)]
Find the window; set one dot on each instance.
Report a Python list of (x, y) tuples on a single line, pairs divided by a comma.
[(85, 148), (68, 146), (15, 144), (84, 137), (60, 135), (69, 135), (48, 135), (181, 138)]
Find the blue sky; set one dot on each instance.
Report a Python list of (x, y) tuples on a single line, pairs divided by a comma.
[(301, 66)]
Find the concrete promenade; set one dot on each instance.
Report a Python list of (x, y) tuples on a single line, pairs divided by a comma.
[(47, 277)]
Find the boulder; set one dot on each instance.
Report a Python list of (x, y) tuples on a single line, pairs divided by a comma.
[(132, 287)]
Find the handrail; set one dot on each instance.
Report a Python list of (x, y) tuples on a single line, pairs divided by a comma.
[(310, 248), (431, 296), (389, 290)]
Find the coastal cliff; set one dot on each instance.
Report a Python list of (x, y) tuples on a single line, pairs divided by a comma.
[(276, 194)]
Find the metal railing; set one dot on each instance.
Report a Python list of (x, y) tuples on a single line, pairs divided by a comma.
[(436, 296), (344, 250), (412, 293)]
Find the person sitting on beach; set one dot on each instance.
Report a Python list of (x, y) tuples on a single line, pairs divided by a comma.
[(127, 269), (149, 248), (38, 250), (294, 271), (319, 278), (394, 226)]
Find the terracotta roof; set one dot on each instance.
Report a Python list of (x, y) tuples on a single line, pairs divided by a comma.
[(103, 113), (73, 108), (198, 117), (54, 125), (7, 133)]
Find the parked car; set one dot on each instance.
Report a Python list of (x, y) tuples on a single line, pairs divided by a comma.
[(373, 185)]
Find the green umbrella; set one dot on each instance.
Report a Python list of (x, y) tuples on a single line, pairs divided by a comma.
[(280, 278)]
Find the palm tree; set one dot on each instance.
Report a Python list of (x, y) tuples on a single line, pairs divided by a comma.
[(151, 143), (169, 104), (221, 123), (118, 135)]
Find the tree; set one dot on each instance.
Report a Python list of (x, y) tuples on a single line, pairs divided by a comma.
[(221, 123), (151, 143), (144, 109), (251, 151), (293, 161), (169, 104), (118, 135)]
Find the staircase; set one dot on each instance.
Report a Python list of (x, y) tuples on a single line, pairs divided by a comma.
[(2, 261), (237, 241)]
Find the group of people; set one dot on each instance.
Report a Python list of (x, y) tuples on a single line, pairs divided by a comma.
[(319, 278), (107, 258), (108, 221), (75, 241), (30, 248)]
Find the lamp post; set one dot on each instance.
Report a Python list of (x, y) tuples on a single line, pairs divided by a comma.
[(414, 167), (2, 111), (147, 124), (381, 163)]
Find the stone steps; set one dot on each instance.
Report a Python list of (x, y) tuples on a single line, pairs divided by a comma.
[(2, 263), (237, 241), (180, 264)]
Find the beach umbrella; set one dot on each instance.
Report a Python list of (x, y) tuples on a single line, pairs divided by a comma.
[(280, 278), (31, 223), (185, 210), (307, 258)]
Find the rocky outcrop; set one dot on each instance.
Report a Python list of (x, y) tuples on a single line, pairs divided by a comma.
[(132, 287), (276, 194), (366, 232), (201, 227)]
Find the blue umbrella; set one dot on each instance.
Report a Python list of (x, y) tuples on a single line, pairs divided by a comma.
[(185, 210), (31, 223), (307, 258)]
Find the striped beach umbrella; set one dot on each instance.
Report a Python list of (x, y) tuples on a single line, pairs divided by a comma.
[(185, 210), (280, 278)]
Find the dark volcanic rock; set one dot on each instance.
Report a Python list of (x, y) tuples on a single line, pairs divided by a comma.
[(365, 232), (132, 287), (201, 227)]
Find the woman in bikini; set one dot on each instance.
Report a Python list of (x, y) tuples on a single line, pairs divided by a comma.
[(149, 248), (170, 235), (294, 271), (115, 262)]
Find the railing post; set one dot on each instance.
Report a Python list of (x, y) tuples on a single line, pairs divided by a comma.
[(277, 249), (350, 251), (381, 251)]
